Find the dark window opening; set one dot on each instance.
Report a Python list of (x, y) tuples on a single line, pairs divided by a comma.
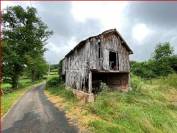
[(99, 50), (113, 60), (63, 77)]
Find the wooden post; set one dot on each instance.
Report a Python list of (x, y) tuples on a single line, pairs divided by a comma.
[(90, 82), (129, 82)]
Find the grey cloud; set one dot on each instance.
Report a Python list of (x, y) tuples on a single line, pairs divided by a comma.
[(161, 17), (59, 18), (160, 14), (89, 28)]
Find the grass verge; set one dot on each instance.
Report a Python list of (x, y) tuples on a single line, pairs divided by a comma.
[(9, 99), (150, 107), (75, 110)]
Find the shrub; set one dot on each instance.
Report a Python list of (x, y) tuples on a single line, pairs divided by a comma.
[(104, 87), (145, 70), (7, 90), (53, 82)]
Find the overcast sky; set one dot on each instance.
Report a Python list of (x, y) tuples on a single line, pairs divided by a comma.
[(142, 24)]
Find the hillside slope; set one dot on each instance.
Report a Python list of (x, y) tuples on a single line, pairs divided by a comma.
[(151, 107)]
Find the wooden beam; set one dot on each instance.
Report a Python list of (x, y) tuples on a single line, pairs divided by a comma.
[(90, 82), (117, 60)]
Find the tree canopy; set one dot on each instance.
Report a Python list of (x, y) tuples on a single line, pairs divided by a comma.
[(24, 37), (162, 51), (162, 63)]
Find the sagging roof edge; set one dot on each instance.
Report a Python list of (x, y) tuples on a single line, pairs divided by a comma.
[(105, 32)]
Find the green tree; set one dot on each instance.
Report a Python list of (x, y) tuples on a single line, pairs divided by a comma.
[(144, 69), (24, 36), (36, 68), (162, 54), (162, 63), (162, 51), (173, 62)]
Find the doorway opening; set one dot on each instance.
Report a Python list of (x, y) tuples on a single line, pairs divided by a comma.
[(114, 80)]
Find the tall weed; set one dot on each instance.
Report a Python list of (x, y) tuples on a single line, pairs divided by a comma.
[(136, 83)]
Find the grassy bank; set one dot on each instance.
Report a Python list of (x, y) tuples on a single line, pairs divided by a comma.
[(150, 107), (11, 96), (23, 82)]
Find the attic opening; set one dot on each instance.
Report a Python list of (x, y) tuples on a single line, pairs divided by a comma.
[(113, 60)]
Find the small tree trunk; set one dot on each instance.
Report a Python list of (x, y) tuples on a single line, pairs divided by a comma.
[(15, 82), (32, 75)]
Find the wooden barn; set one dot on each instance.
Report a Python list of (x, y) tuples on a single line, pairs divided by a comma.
[(101, 58)]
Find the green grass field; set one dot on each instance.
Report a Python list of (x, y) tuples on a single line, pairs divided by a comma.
[(151, 107), (23, 82), (6, 85), (53, 73)]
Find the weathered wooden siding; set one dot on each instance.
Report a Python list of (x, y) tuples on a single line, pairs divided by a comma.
[(108, 43), (93, 60), (77, 65), (113, 43)]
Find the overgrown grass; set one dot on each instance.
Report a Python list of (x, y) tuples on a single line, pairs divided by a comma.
[(151, 107), (60, 90), (169, 81), (10, 97), (145, 109)]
